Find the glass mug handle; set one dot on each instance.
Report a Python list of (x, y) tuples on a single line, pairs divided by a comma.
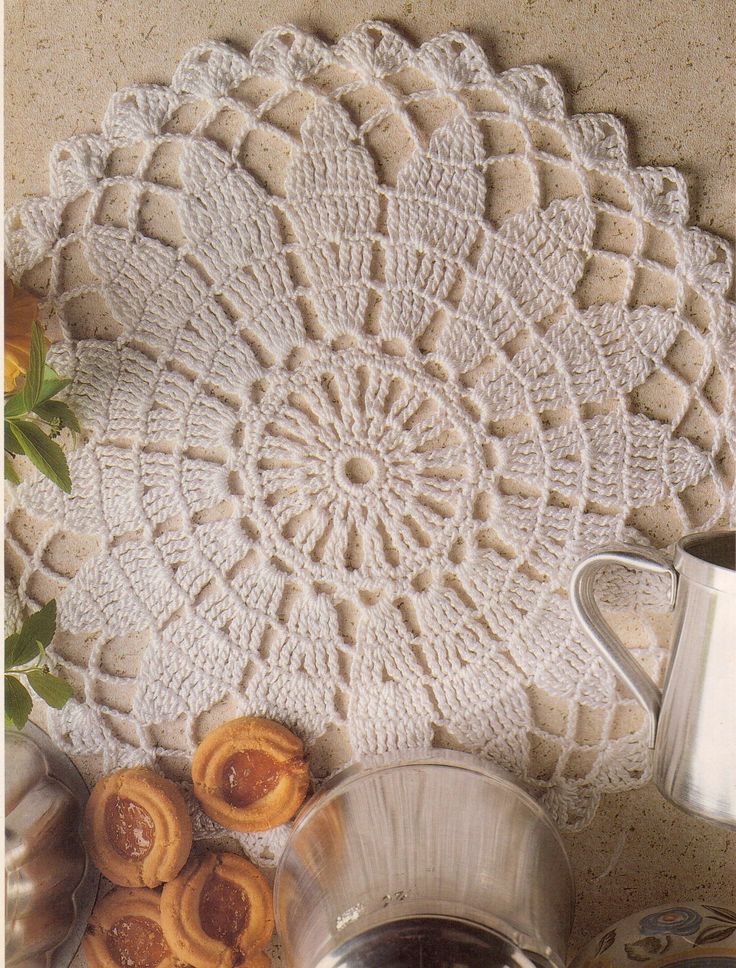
[(609, 644)]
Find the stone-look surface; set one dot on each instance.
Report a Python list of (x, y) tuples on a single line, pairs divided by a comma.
[(640, 851), (666, 69)]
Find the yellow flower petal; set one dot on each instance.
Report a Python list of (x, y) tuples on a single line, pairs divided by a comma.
[(16, 364), (21, 310)]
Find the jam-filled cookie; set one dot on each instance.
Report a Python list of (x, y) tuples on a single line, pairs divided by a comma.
[(250, 774), (218, 913), (137, 828), (125, 932)]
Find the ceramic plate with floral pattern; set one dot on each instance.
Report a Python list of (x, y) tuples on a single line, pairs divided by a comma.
[(685, 935)]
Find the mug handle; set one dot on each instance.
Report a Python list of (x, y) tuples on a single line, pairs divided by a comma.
[(609, 644)]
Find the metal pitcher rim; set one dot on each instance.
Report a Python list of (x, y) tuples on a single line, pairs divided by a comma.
[(717, 570)]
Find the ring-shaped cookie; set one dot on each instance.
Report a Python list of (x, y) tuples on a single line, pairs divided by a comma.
[(125, 932), (218, 913), (250, 774), (257, 959), (137, 828)]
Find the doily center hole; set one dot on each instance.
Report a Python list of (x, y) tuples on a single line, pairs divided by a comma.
[(359, 470)]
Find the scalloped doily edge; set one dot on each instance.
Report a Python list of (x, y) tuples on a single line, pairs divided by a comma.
[(454, 60)]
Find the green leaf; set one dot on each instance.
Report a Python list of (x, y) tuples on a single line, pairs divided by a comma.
[(713, 934), (646, 948), (19, 650), (10, 474), (14, 405), (44, 453), (41, 625), (52, 384), (18, 702), (34, 375), (51, 410), (606, 941), (53, 690), (11, 444), (11, 648), (34, 635), (724, 914)]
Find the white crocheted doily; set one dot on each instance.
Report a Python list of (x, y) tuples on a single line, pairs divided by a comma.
[(370, 343)]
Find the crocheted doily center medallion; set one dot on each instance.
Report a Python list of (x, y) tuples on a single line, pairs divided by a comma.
[(360, 470), (370, 344)]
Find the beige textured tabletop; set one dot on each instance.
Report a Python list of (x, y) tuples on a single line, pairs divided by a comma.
[(665, 67)]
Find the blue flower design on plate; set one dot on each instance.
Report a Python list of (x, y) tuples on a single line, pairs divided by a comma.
[(677, 920)]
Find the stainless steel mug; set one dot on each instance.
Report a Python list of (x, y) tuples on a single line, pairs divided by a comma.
[(693, 718), (437, 860)]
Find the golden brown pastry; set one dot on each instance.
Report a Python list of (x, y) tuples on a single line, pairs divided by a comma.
[(125, 932), (250, 774), (259, 959), (137, 828), (218, 913)]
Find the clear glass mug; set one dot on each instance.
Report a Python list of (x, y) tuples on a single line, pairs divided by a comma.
[(434, 859), (692, 719)]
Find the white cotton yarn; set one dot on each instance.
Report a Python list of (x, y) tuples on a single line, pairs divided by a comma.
[(355, 407)]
